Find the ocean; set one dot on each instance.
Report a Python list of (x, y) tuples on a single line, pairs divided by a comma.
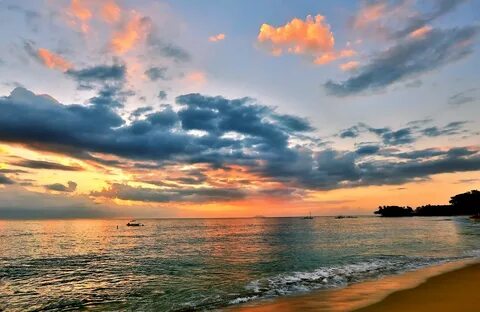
[(207, 264)]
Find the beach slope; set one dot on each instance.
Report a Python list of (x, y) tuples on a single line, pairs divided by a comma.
[(452, 291)]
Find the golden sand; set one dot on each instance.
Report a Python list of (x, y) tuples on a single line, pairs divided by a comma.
[(448, 287)]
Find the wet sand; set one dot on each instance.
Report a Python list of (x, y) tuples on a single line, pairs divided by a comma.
[(446, 287)]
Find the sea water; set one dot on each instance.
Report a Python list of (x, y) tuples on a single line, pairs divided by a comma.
[(205, 264)]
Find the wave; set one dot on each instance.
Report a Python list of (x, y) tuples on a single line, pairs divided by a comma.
[(335, 276)]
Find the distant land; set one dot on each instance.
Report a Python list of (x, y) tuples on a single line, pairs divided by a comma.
[(460, 205)]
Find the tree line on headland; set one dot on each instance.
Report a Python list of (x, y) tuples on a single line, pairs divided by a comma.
[(462, 204)]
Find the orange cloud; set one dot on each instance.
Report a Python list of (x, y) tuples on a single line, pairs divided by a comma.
[(216, 38), (196, 77), (311, 36), (52, 60), (297, 36), (111, 12), (333, 56), (80, 11), (133, 31), (369, 14), (348, 66), (420, 32)]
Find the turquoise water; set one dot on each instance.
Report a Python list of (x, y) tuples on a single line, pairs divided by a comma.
[(204, 264)]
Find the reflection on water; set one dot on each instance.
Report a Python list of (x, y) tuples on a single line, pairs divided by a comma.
[(170, 265)]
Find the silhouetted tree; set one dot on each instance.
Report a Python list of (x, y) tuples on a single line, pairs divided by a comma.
[(394, 211), (462, 204), (467, 203)]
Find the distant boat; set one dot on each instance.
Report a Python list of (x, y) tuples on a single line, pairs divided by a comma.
[(134, 223), (309, 217)]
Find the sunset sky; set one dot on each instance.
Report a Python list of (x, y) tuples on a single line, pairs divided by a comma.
[(155, 108)]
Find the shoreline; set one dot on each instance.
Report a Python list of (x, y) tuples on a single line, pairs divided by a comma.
[(416, 290)]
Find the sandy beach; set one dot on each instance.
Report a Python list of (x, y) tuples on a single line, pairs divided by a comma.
[(446, 287)]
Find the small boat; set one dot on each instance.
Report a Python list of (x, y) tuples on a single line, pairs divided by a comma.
[(134, 223), (309, 217)]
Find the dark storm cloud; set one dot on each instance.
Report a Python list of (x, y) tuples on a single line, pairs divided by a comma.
[(40, 164), (156, 73), (126, 192), (71, 187), (452, 128), (294, 123), (402, 172), (351, 132), (433, 152), (414, 131), (367, 149), (409, 58), (5, 180), (82, 129), (227, 132), (141, 110), (398, 137), (336, 169), (98, 74)]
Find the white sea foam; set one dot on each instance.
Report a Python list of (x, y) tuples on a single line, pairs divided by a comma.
[(333, 276)]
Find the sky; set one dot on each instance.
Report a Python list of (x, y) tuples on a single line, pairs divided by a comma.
[(156, 108)]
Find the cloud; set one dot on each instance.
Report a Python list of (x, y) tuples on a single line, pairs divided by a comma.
[(5, 180), (46, 57), (311, 37), (19, 203), (52, 60), (352, 132), (41, 164), (464, 97), (196, 77), (197, 195), (349, 66), (98, 128), (80, 13), (450, 129), (369, 13), (412, 132), (109, 78), (110, 11), (216, 38), (58, 187), (410, 58), (156, 73), (98, 73), (394, 20), (216, 133), (131, 33), (367, 149), (162, 95), (420, 32), (169, 50)]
